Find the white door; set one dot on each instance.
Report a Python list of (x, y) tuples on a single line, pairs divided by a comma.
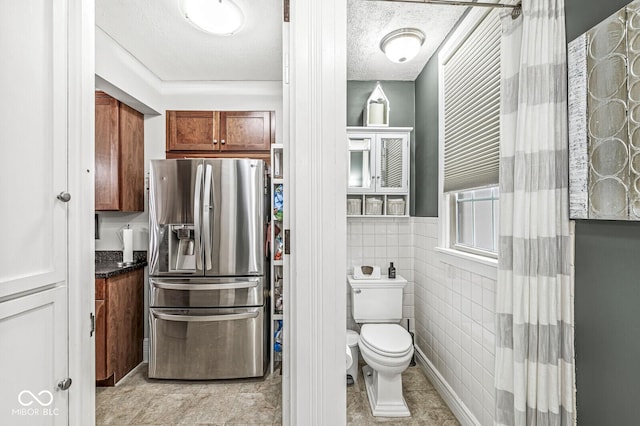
[(33, 171)]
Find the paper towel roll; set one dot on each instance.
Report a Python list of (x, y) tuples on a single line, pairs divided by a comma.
[(127, 242), (376, 113)]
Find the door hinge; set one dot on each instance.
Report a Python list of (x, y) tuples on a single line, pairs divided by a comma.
[(286, 10), (287, 241), (92, 324)]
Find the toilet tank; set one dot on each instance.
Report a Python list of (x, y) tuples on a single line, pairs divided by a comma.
[(377, 301)]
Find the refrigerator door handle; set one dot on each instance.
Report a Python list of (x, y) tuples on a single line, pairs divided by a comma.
[(196, 218), (206, 212), (206, 318), (228, 286)]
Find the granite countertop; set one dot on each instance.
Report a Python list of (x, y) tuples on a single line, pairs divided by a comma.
[(107, 263)]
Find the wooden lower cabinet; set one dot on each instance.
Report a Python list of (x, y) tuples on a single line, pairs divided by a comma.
[(101, 341), (119, 325)]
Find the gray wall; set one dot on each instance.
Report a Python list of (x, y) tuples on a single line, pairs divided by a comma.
[(401, 95), (607, 296), (426, 150), (427, 129)]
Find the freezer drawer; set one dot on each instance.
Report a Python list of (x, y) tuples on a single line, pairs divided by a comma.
[(206, 292), (203, 344)]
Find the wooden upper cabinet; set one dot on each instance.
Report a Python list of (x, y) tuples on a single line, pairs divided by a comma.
[(119, 140), (193, 130), (211, 133), (245, 131), (107, 152)]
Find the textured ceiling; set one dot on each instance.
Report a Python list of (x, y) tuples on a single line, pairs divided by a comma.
[(369, 21), (155, 32)]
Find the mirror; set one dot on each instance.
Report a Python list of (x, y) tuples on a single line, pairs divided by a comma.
[(360, 163)]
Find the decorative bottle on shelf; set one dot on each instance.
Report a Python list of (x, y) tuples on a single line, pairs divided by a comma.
[(392, 271)]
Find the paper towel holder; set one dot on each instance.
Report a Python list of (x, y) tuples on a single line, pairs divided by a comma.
[(376, 113)]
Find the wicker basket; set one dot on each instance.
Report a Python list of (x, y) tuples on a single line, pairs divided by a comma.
[(354, 206), (373, 206), (395, 207)]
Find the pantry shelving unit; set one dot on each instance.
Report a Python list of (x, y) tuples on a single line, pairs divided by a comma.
[(378, 180), (277, 254)]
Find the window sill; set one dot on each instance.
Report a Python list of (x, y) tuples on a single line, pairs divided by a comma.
[(481, 265)]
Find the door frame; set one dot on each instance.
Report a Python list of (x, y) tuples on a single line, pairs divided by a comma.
[(317, 125), (81, 181), (315, 342)]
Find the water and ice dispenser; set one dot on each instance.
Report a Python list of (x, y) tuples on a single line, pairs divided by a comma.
[(182, 250)]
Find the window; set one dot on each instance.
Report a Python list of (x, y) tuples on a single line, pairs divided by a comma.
[(476, 220), (470, 69)]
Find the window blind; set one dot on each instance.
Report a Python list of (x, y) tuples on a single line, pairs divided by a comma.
[(472, 109)]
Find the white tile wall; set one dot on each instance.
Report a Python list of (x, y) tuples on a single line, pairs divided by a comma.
[(378, 242), (455, 327)]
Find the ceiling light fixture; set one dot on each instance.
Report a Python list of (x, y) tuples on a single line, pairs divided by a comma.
[(402, 45), (219, 17)]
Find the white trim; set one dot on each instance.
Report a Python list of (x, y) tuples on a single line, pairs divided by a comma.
[(318, 173), (81, 184), (458, 408), (286, 270), (374, 129), (481, 265)]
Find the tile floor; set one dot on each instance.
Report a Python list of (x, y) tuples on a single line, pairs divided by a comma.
[(426, 406), (136, 400)]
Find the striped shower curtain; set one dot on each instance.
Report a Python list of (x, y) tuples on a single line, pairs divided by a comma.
[(534, 330)]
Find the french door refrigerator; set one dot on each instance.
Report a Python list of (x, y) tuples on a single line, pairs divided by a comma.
[(208, 297)]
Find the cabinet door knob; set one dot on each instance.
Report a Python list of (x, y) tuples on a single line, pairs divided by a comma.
[(222, 141), (64, 197), (215, 141)]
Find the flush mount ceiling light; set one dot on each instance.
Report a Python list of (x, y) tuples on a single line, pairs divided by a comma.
[(219, 17), (402, 45)]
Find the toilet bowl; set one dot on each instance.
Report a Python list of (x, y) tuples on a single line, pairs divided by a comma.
[(384, 345), (387, 349)]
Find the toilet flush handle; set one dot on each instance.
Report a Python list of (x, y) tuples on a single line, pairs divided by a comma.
[(357, 291)]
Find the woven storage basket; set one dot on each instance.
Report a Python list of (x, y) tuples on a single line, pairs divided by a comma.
[(354, 206), (373, 206), (395, 207)]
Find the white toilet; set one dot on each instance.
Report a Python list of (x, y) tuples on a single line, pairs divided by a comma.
[(385, 346)]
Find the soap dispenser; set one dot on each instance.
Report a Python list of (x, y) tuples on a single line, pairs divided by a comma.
[(392, 271)]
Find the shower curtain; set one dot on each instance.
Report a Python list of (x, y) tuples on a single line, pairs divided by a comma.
[(534, 330)]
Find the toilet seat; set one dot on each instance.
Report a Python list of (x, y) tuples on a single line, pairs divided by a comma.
[(387, 340)]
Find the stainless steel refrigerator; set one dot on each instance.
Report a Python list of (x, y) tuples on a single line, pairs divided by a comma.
[(208, 291)]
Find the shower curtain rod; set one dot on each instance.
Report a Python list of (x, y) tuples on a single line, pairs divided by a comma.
[(515, 12)]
